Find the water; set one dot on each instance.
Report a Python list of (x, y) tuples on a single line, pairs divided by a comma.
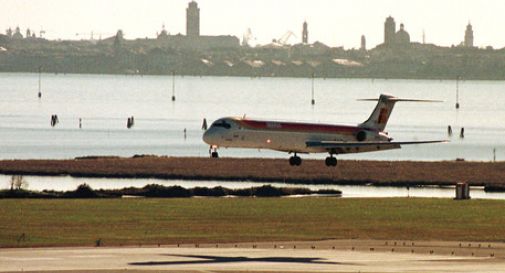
[(105, 101), (68, 183)]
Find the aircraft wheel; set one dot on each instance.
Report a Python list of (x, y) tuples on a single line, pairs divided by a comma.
[(292, 161), (331, 161), (298, 160), (295, 161), (214, 155)]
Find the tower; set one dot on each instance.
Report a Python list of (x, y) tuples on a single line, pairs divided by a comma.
[(193, 20), (468, 36), (389, 31), (305, 33), (363, 43)]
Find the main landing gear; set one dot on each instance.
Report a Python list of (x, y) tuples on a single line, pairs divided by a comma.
[(295, 160), (331, 161), (213, 152)]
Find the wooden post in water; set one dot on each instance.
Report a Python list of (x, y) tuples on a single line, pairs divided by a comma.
[(40, 81), (457, 92), (313, 101), (204, 124), (173, 85)]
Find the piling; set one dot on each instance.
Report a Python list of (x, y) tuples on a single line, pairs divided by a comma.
[(173, 85), (204, 124), (54, 120), (40, 90), (130, 122), (312, 101)]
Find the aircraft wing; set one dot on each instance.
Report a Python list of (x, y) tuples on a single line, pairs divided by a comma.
[(346, 147)]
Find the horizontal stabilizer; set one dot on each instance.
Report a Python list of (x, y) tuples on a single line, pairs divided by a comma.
[(399, 99), (380, 115)]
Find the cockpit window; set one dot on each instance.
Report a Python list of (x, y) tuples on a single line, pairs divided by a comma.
[(221, 123)]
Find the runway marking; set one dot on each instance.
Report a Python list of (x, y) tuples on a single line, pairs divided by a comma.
[(29, 259), (91, 256)]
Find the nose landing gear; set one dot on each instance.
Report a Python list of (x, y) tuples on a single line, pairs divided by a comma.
[(213, 152)]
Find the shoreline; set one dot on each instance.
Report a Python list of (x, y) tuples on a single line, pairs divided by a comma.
[(346, 77), (347, 172)]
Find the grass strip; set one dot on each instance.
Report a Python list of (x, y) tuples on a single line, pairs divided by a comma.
[(81, 222)]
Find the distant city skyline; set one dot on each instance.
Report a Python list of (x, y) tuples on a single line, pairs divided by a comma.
[(335, 23)]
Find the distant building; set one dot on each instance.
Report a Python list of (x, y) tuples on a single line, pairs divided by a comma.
[(468, 36), (305, 33), (193, 40), (402, 37), (193, 20), (17, 34), (201, 43), (363, 43), (118, 40), (306, 50), (389, 31), (163, 33), (392, 38)]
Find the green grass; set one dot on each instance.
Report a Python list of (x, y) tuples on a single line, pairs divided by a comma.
[(202, 220)]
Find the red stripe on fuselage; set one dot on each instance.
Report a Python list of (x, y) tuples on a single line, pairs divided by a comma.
[(298, 127)]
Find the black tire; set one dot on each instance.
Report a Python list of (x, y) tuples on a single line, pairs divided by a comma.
[(298, 161), (328, 161), (292, 161), (331, 161)]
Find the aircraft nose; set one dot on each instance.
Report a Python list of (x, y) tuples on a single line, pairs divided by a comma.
[(208, 137)]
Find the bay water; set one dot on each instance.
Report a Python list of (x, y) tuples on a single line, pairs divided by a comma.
[(104, 102)]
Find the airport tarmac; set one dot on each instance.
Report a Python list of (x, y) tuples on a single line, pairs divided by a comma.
[(282, 258)]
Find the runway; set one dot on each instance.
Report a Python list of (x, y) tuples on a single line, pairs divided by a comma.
[(231, 259)]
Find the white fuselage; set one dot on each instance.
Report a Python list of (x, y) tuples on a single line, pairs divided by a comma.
[(288, 136)]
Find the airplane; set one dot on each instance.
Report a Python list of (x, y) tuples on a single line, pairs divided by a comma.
[(304, 138)]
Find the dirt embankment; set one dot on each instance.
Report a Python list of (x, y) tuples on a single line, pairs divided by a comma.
[(260, 169)]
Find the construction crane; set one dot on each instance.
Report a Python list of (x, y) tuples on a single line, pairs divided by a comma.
[(248, 38), (283, 40)]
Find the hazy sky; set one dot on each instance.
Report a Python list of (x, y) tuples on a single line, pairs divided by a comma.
[(333, 22)]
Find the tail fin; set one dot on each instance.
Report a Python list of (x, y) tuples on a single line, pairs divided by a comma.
[(380, 115)]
